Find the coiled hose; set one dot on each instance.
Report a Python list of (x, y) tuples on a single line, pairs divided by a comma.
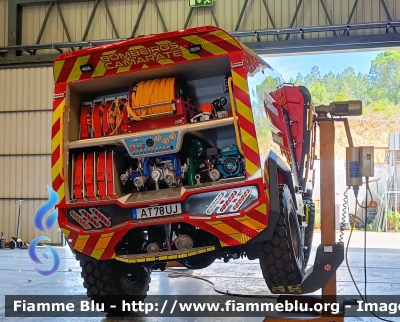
[(151, 92), (343, 217)]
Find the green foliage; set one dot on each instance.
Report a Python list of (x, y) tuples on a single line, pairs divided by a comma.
[(393, 221), (385, 76), (342, 96), (379, 90), (318, 93)]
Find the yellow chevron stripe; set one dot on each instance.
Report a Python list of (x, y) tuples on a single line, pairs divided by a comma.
[(97, 253), (210, 47), (165, 61), (240, 238), (66, 232), (107, 235), (223, 35), (100, 69), (252, 168), (55, 141), (262, 208), (245, 111), (240, 82), (61, 192), (223, 244), (253, 224), (266, 173), (81, 242), (187, 55), (123, 69), (218, 222), (57, 112), (55, 170), (249, 140), (58, 65), (102, 243), (162, 42), (227, 230), (76, 71)]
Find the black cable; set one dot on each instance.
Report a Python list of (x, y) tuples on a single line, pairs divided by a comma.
[(343, 219), (178, 274), (365, 251), (365, 239)]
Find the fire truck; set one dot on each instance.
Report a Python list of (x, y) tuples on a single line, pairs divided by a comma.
[(181, 147)]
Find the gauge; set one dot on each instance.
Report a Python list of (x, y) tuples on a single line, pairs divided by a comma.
[(165, 140), (172, 136), (158, 138), (150, 142)]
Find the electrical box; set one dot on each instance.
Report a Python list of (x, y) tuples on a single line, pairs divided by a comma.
[(353, 167), (367, 161)]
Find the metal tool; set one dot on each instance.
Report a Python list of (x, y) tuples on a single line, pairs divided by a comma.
[(16, 241)]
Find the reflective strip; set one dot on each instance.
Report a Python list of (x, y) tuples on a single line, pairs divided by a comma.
[(76, 70), (250, 141), (262, 208), (123, 69), (251, 168), (55, 144), (66, 232), (251, 223), (81, 242), (187, 55), (100, 69), (58, 65), (165, 61), (245, 111), (224, 36), (210, 47), (227, 230), (97, 253), (241, 238), (57, 112), (240, 82)]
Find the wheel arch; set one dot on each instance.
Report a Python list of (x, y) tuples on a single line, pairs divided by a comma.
[(278, 172)]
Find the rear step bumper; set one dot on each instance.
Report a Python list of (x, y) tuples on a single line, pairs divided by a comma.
[(164, 256), (327, 261)]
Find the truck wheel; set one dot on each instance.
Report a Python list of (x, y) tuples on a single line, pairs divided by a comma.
[(309, 232), (199, 263), (111, 281), (282, 257)]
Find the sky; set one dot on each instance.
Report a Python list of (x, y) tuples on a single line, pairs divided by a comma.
[(290, 66)]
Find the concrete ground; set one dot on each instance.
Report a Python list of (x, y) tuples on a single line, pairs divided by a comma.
[(18, 277)]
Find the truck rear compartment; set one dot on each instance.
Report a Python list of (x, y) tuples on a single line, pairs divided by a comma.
[(95, 163)]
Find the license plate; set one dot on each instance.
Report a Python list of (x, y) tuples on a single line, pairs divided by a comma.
[(157, 211)]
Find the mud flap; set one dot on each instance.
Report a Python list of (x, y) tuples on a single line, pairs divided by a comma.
[(316, 277)]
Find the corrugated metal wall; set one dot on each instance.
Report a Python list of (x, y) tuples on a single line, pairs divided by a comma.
[(3, 22), (25, 129), (174, 12)]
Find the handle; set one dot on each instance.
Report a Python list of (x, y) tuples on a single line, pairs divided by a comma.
[(235, 121), (62, 144)]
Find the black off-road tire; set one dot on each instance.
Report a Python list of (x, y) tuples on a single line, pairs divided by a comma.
[(309, 232), (282, 257), (109, 282)]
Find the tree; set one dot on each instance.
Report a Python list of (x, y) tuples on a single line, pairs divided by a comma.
[(313, 77), (333, 85), (385, 76), (342, 96), (318, 93)]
